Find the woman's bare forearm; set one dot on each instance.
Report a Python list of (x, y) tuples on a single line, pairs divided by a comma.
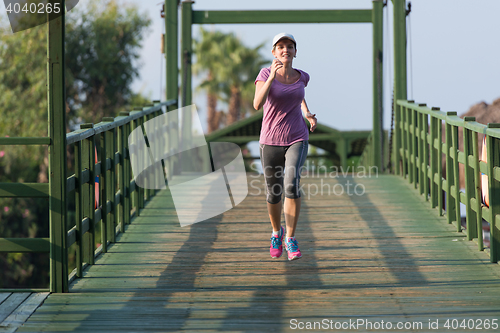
[(261, 91)]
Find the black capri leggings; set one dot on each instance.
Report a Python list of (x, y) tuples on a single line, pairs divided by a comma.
[(283, 163)]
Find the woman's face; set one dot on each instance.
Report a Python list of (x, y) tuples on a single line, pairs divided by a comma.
[(284, 50)]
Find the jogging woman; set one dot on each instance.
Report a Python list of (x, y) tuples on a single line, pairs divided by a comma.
[(283, 139)]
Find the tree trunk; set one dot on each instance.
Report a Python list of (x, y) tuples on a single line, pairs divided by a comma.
[(212, 119), (234, 105)]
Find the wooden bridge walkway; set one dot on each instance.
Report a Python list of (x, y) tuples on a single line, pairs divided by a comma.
[(381, 256)]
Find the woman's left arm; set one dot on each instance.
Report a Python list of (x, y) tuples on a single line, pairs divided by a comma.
[(311, 118)]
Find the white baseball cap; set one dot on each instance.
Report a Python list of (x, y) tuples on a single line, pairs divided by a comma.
[(282, 35)]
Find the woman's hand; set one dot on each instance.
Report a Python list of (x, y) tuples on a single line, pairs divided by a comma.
[(274, 68), (311, 118)]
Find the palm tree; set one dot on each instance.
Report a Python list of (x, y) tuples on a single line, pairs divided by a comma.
[(230, 69), (242, 65), (208, 54)]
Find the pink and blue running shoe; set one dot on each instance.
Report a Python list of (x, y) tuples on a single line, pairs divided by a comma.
[(292, 247), (276, 249)]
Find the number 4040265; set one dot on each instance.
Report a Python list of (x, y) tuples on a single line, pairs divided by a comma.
[(477, 324), (34, 8)]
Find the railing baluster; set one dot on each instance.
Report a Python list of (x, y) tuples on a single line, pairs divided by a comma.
[(434, 165), (150, 192), (127, 174), (121, 179), (425, 152), (421, 140), (409, 144), (88, 163), (470, 193), (440, 165), (493, 161), (456, 176), (397, 139), (103, 184), (405, 138), (450, 209), (135, 194), (111, 155), (79, 207), (477, 192)]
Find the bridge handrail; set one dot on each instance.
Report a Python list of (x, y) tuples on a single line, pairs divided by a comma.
[(81, 134), (418, 154), (120, 199)]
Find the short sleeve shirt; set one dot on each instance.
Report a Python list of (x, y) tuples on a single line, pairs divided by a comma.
[(283, 123)]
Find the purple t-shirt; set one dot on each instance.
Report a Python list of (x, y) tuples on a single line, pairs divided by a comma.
[(283, 123)]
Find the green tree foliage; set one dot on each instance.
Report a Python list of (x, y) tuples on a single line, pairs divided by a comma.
[(102, 48), (208, 53), (23, 100), (102, 44), (230, 69)]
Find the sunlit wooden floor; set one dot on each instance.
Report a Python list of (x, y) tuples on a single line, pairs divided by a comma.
[(382, 255)]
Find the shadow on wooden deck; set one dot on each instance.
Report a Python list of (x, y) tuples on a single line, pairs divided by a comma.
[(384, 255)]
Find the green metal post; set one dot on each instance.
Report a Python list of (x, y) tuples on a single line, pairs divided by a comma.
[(135, 197), (171, 49), (173, 139), (140, 190), (103, 196), (398, 138), (425, 121), (172, 86), (125, 160), (434, 160), (127, 174), (469, 180), (413, 145), (456, 176), (440, 165), (111, 175), (57, 154), (477, 192), (404, 139), (186, 51), (377, 28), (121, 180), (342, 149), (493, 162), (148, 192), (400, 85), (87, 203), (420, 151), (450, 179), (79, 208), (410, 143)]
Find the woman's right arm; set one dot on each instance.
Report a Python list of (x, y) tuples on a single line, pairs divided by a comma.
[(262, 88)]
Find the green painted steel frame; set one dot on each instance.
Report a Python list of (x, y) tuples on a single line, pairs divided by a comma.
[(374, 16), (57, 152), (400, 80), (419, 141)]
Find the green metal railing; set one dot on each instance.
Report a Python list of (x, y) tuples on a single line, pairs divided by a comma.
[(120, 198), (419, 157), (370, 156)]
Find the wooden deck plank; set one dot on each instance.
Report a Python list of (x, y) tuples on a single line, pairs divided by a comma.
[(384, 255), (11, 303), (4, 296), (22, 312)]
